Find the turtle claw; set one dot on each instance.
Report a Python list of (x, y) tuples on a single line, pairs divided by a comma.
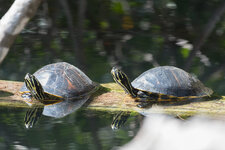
[(26, 96), (145, 104)]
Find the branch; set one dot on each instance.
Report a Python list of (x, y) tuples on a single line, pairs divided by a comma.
[(13, 22), (76, 34), (205, 34)]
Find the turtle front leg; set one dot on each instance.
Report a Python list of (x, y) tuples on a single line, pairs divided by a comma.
[(146, 99), (150, 96), (26, 95), (144, 105)]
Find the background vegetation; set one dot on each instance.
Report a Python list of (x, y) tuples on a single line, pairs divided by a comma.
[(135, 35)]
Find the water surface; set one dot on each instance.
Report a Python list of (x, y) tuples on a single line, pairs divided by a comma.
[(96, 35), (83, 129)]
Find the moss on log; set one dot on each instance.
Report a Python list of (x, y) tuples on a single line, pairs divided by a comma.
[(111, 97)]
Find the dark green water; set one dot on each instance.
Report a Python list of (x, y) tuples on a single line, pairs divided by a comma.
[(96, 35), (83, 129)]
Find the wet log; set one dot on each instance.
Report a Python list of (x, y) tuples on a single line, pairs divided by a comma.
[(111, 97)]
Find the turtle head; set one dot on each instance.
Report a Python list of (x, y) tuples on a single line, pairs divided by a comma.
[(34, 86), (121, 78)]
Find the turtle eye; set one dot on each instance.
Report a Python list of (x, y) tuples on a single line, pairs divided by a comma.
[(28, 76), (34, 86), (31, 80), (114, 73)]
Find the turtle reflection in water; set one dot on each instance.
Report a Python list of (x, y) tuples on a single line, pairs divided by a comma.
[(120, 119), (32, 116), (166, 83), (56, 82), (58, 110)]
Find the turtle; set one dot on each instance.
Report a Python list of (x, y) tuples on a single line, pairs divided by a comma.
[(57, 82), (164, 83)]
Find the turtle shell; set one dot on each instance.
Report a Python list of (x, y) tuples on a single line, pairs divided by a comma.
[(63, 79), (170, 80)]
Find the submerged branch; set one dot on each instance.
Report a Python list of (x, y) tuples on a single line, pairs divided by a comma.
[(205, 34), (76, 34), (213, 72)]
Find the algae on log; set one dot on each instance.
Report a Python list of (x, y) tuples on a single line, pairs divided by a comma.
[(111, 97)]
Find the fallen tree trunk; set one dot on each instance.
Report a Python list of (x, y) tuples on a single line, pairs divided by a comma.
[(111, 97)]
